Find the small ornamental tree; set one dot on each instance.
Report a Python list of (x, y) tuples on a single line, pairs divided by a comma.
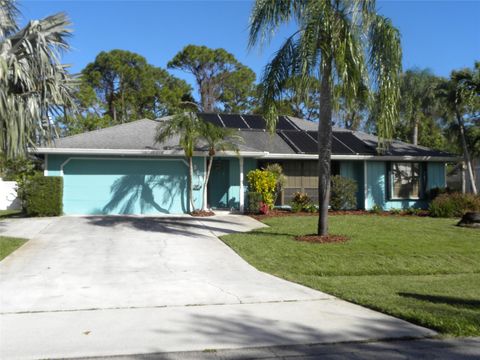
[(263, 182), (343, 194)]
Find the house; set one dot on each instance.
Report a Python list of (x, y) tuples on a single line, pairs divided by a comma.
[(121, 170)]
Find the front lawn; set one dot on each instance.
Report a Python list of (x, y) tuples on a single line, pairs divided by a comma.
[(424, 270), (9, 245)]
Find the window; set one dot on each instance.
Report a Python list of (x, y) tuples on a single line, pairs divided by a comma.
[(405, 180)]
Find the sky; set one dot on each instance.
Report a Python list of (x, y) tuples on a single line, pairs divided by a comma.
[(439, 35)]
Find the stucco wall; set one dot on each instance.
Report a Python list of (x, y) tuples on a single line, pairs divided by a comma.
[(116, 185), (377, 186)]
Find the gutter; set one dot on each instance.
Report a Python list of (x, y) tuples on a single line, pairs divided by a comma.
[(253, 154)]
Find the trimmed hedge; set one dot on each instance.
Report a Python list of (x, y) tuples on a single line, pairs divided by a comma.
[(43, 196), (253, 202), (343, 193), (454, 204)]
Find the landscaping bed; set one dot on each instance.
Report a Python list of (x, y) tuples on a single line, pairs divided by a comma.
[(425, 270)]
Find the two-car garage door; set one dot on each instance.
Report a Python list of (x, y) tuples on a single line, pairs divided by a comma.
[(125, 186)]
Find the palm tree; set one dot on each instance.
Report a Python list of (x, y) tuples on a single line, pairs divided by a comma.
[(216, 139), (33, 82), (458, 94), (187, 127), (418, 98), (340, 42)]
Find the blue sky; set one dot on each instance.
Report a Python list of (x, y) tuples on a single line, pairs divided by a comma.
[(440, 35)]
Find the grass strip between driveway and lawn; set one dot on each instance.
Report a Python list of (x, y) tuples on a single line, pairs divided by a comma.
[(9, 245), (424, 270)]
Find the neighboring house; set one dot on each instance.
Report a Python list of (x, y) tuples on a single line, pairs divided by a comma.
[(121, 170)]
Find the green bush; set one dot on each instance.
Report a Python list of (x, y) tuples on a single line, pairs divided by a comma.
[(253, 202), (301, 201), (454, 204), (263, 182), (343, 193), (43, 196)]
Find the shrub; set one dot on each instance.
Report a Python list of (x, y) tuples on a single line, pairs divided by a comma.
[(43, 195), (281, 180), (263, 182), (376, 209), (343, 193), (454, 204), (253, 202), (301, 201)]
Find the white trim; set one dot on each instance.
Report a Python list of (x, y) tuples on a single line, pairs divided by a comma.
[(105, 158), (205, 195), (45, 166), (365, 185), (362, 157), (242, 191), (254, 154)]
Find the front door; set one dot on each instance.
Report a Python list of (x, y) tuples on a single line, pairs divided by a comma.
[(218, 184)]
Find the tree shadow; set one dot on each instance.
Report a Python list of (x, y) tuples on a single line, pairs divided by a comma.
[(130, 191), (186, 225), (439, 299)]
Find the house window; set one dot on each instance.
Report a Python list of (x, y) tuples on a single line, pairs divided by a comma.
[(405, 180)]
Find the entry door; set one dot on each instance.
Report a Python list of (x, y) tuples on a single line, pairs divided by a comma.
[(218, 184)]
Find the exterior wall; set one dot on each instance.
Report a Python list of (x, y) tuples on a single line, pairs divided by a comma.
[(125, 185), (354, 170), (377, 186), (233, 188)]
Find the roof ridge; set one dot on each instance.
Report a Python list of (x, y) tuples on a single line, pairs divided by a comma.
[(105, 128)]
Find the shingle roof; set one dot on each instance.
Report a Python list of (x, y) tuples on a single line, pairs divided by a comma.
[(299, 137)]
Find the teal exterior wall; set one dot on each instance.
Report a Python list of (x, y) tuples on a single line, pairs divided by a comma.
[(355, 170), (232, 189), (377, 186), (119, 185)]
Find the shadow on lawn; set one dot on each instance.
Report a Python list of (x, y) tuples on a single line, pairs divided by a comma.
[(438, 299)]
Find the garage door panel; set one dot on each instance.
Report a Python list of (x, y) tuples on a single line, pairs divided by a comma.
[(125, 187)]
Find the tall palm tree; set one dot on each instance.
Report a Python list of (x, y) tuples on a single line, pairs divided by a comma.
[(458, 94), (340, 42), (33, 82), (187, 127), (216, 139), (418, 97)]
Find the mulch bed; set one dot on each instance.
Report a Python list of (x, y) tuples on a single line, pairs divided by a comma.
[(281, 213), (202, 213), (322, 239)]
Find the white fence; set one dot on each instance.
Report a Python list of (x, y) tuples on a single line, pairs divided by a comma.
[(8, 196)]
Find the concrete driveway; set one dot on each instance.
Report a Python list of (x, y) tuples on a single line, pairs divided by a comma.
[(93, 286)]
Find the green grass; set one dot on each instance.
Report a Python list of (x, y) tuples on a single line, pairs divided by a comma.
[(423, 270), (9, 213), (9, 245)]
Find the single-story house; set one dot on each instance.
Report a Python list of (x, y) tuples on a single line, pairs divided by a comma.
[(122, 170)]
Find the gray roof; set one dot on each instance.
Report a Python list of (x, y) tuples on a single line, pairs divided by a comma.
[(140, 135)]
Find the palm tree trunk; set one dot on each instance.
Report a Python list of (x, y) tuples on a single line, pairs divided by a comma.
[(466, 154), (415, 131), (207, 177), (324, 146), (190, 184)]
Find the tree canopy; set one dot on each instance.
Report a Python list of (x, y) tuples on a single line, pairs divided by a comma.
[(221, 79), (33, 82)]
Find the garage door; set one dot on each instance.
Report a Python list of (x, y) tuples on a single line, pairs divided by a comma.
[(134, 186)]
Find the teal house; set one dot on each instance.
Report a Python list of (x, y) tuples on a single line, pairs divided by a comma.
[(122, 170)]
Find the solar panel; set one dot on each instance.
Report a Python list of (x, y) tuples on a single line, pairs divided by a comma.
[(300, 141), (211, 118), (337, 146), (285, 124), (233, 121), (354, 143), (255, 121)]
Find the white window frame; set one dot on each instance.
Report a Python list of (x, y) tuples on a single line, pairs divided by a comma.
[(393, 196)]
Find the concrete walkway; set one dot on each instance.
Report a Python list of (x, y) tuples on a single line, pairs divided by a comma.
[(98, 286)]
